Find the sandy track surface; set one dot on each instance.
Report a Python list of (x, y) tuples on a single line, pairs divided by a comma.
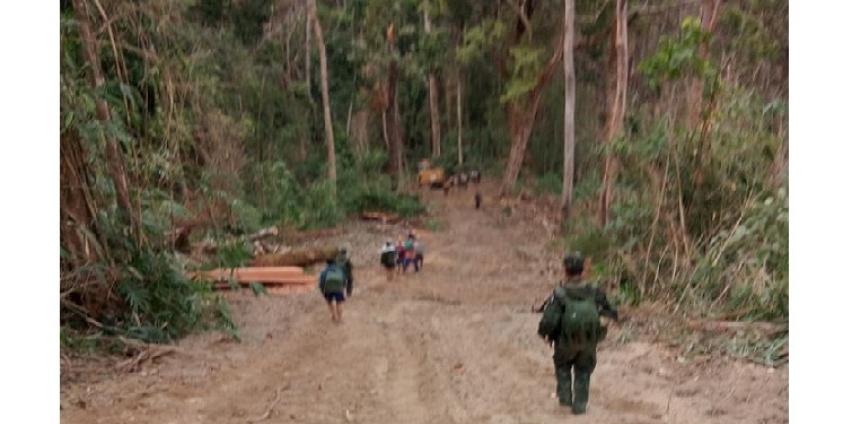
[(455, 343)]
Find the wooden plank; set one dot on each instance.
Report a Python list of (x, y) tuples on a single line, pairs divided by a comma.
[(307, 281)]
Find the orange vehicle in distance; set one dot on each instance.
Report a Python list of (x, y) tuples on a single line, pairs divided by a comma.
[(430, 176)]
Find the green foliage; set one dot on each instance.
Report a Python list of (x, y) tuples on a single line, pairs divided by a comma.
[(434, 224), (753, 38), (479, 39), (319, 209), (549, 183), (591, 241), (527, 63), (232, 254), (383, 199), (751, 259), (216, 123), (162, 303), (678, 56)]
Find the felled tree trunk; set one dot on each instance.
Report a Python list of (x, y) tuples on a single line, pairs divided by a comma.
[(299, 257)]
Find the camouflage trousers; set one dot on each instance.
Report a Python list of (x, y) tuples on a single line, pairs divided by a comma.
[(582, 362)]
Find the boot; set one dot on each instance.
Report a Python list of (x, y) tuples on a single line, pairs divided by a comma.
[(581, 381)]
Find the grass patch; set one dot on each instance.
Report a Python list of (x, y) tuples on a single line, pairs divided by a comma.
[(434, 224)]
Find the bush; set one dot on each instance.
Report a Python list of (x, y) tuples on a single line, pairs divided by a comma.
[(381, 199), (549, 183), (162, 303)]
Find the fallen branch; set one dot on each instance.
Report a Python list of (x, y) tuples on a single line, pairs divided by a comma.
[(147, 354), (269, 410)]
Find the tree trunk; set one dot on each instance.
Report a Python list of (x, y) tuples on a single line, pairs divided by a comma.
[(359, 131), (307, 57), (570, 101), (617, 110), (393, 123), (448, 88), (459, 118), (522, 115), (433, 96), (385, 131), (114, 156), (326, 99)]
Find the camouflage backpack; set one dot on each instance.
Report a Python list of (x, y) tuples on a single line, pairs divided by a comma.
[(571, 318), (580, 326), (334, 281)]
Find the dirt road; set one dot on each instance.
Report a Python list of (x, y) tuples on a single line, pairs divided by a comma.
[(455, 343)]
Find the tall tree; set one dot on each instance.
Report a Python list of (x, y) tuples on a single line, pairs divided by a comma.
[(114, 157), (433, 96), (307, 57), (522, 113), (459, 117), (616, 96), (395, 134), (570, 102), (326, 99)]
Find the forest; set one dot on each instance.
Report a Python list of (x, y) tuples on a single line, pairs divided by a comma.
[(654, 134)]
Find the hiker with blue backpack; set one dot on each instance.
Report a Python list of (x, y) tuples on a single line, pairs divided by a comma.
[(571, 324), (334, 286)]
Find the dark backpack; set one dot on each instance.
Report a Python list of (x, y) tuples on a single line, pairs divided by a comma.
[(551, 320), (334, 281), (388, 258), (580, 325), (572, 319)]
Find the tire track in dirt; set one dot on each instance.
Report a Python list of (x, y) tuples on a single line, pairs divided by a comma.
[(452, 344)]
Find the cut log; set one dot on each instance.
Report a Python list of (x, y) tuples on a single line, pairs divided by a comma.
[(300, 257)]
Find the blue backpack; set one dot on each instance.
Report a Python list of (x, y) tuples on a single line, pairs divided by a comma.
[(334, 281)]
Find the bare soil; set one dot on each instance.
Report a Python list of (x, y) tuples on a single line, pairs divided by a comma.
[(455, 343)]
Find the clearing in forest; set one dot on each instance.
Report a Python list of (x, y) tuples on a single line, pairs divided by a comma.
[(455, 343)]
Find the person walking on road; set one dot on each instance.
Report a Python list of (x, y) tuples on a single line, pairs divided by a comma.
[(388, 258), (571, 324), (333, 285)]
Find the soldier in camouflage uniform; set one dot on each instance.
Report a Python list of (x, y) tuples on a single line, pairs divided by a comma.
[(571, 324)]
